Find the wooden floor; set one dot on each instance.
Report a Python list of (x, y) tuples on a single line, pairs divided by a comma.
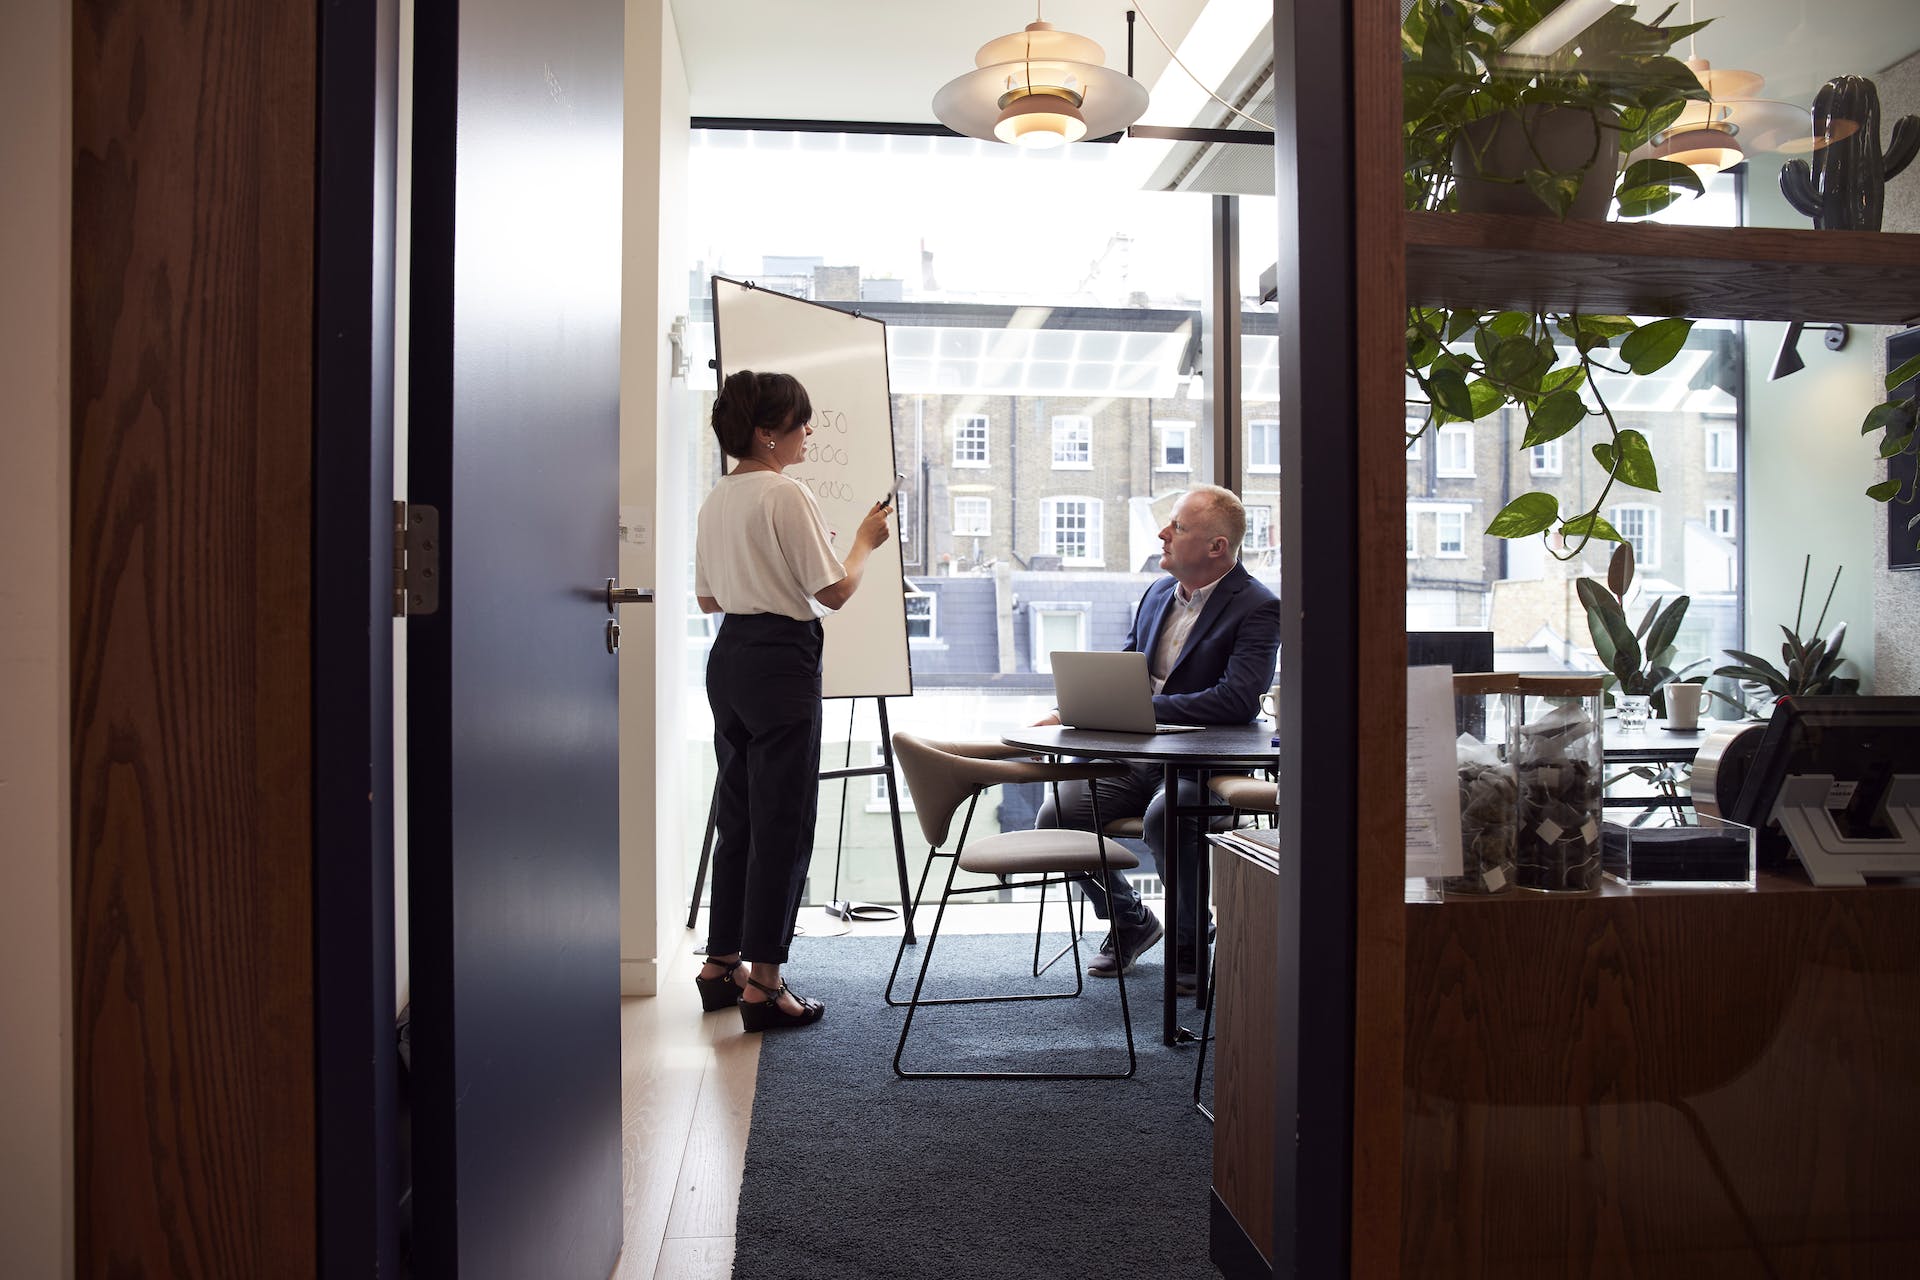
[(687, 1084)]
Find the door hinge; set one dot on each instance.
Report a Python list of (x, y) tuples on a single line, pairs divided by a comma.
[(416, 559)]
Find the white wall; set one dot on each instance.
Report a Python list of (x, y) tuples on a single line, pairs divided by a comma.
[(1807, 474), (654, 550), (1896, 600), (36, 1052)]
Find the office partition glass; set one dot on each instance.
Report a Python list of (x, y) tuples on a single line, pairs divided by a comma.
[(1049, 406)]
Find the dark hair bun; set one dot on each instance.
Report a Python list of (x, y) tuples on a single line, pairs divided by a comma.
[(750, 403)]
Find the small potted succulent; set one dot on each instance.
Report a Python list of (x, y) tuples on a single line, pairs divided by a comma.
[(1808, 666)]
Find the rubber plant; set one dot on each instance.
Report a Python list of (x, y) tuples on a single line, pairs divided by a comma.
[(1639, 660), (1469, 364)]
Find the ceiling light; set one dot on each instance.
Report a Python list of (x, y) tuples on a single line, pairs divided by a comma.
[(1039, 88), (1560, 28), (1706, 150)]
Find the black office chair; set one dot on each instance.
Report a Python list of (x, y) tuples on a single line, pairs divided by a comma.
[(941, 780)]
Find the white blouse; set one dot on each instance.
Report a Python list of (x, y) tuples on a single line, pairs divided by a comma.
[(762, 547)]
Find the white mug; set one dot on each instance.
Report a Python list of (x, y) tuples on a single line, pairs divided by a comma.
[(1270, 701), (1683, 705)]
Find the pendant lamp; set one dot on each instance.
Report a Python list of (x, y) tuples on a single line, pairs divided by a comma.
[(1735, 122), (1039, 88)]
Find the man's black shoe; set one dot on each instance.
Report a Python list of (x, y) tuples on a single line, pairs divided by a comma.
[(1115, 959)]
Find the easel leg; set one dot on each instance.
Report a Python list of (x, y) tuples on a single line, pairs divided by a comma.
[(706, 853), (893, 810)]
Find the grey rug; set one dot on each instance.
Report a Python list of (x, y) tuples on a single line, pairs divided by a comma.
[(853, 1172)]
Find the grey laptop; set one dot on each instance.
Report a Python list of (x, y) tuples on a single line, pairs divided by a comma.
[(1107, 691)]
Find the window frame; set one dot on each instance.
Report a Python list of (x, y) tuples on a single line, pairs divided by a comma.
[(1081, 427), (1650, 535), (1440, 521), (1037, 614), (971, 498), (1442, 467), (1730, 450), (1554, 459), (1264, 524), (1732, 512), (911, 594), (1186, 447), (1255, 427), (963, 427), (1095, 529)]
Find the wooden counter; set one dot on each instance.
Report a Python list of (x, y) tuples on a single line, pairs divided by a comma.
[(1678, 1083)]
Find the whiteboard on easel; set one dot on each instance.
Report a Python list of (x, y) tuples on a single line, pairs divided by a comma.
[(841, 359)]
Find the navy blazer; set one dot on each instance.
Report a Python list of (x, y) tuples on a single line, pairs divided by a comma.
[(1228, 660)]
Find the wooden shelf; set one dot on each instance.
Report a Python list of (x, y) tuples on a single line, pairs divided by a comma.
[(1731, 273)]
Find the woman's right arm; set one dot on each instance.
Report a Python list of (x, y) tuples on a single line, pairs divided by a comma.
[(709, 605), (872, 532)]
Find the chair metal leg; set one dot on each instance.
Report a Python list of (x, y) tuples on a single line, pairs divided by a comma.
[(926, 960), (919, 893), (1074, 932), (1206, 1038)]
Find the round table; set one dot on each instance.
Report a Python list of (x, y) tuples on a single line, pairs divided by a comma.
[(1212, 747)]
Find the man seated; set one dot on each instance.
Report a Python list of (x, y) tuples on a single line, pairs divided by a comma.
[(1211, 634)]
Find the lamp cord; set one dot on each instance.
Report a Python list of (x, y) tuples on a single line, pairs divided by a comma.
[(1196, 79)]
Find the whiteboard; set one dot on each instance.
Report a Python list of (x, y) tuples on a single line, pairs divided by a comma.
[(841, 359)]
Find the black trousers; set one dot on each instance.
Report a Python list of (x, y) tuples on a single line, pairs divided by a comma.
[(763, 683)]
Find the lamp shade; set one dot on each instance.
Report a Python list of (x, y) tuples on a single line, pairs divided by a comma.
[(1039, 87)]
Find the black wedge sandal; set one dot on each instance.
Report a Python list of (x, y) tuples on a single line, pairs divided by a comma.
[(771, 1017), (721, 992)]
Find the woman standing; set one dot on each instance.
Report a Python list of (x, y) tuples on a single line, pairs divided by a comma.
[(763, 557)]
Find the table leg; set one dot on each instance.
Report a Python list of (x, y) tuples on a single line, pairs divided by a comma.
[(1170, 872)]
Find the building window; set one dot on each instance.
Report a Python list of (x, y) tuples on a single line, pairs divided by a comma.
[(1072, 529), (1546, 459), (1453, 453), (972, 516), (1413, 535), (1072, 443), (1416, 427), (877, 791), (1720, 518), (1176, 446), (922, 614), (1263, 445), (1722, 455), (903, 516), (1639, 525), (970, 441), (1450, 534), (1056, 626), (1259, 529)]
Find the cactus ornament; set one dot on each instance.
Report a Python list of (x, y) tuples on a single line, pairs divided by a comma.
[(1844, 188)]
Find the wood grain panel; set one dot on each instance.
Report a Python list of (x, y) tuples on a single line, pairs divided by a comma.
[(1669, 1084), (1380, 636), (1245, 895), (1737, 273), (193, 136)]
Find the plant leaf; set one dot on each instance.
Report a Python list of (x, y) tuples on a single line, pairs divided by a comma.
[(1620, 570), (1485, 398), (1666, 627), (1894, 414), (1529, 513), (1554, 190), (1571, 378), (1448, 386), (1553, 417), (1636, 461), (1895, 444), (1908, 369), (1884, 490), (1651, 347), (1509, 324), (1591, 525)]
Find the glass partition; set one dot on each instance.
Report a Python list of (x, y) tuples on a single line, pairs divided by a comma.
[(1043, 319)]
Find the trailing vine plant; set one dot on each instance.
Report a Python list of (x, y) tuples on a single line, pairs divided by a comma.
[(1469, 364), (1896, 417)]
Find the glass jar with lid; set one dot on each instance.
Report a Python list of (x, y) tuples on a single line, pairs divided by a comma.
[(1554, 746), (1482, 710)]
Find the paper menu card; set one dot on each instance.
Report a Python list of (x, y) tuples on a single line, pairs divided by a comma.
[(1433, 784)]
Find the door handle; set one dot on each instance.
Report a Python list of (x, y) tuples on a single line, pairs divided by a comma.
[(627, 595)]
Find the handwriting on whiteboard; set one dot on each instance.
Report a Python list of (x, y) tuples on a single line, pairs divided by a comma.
[(827, 459)]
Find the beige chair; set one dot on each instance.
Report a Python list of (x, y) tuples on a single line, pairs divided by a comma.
[(942, 778), (1248, 793)]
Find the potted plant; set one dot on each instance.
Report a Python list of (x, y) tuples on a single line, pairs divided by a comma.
[(1495, 121), (1462, 84), (1810, 666), (1639, 660)]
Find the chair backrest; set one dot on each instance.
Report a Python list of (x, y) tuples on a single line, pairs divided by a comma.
[(939, 783)]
